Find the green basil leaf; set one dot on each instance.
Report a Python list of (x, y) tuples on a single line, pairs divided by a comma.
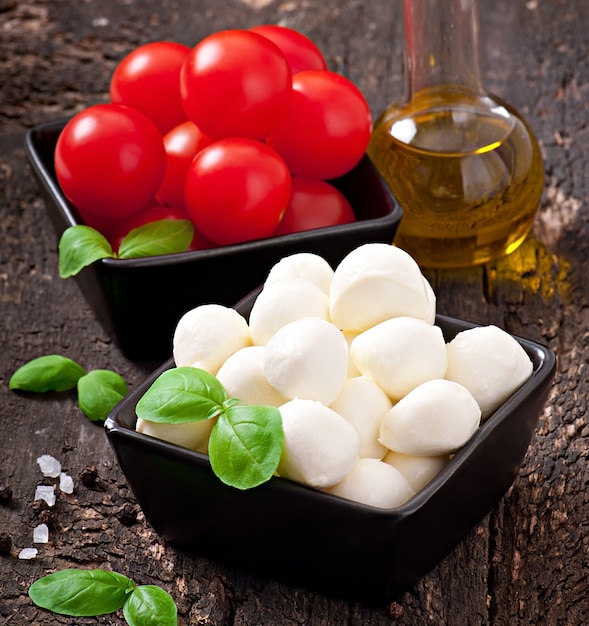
[(181, 394), (80, 246), (155, 238), (98, 393), (82, 593), (150, 605), (47, 373), (246, 444)]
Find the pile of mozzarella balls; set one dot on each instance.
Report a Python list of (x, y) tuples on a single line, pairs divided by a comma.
[(374, 402)]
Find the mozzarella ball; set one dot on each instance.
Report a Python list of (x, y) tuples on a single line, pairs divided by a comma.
[(243, 378), (305, 265), (436, 418), (364, 404), (374, 483), (399, 354), (320, 446), (207, 335), (307, 359), (490, 363), (418, 470), (193, 435), (282, 302), (376, 282)]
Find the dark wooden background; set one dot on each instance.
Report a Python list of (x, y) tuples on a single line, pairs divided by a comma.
[(527, 562)]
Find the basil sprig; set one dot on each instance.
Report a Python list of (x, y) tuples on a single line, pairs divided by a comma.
[(246, 440), (180, 395), (81, 245), (98, 393), (52, 372), (150, 605), (160, 237), (89, 593), (98, 390)]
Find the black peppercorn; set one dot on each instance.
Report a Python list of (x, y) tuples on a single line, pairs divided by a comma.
[(395, 610), (88, 476), (46, 517), (5, 543), (5, 494), (39, 506), (127, 515)]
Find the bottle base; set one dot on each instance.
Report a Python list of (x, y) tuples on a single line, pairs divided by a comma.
[(460, 252)]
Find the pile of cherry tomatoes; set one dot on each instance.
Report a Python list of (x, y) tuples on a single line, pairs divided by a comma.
[(239, 134)]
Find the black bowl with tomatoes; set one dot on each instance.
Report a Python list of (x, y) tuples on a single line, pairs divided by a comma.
[(139, 301)]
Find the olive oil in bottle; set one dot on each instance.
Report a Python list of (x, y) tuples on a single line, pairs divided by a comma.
[(464, 165)]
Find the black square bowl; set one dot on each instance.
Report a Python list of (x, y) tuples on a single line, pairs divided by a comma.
[(139, 301), (296, 534)]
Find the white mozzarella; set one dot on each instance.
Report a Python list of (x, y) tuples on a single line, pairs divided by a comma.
[(320, 446), (436, 418), (207, 335)]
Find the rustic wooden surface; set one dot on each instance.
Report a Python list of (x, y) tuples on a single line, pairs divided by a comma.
[(527, 562)]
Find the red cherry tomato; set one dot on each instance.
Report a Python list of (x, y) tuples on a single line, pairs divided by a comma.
[(148, 79), (235, 83), (106, 226), (181, 144), (314, 203), (153, 214), (236, 190), (110, 161), (327, 126), (300, 52), (103, 226)]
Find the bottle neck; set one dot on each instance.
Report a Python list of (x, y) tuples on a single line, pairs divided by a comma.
[(442, 45)]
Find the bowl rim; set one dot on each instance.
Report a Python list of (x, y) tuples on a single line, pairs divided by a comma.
[(44, 172), (544, 365)]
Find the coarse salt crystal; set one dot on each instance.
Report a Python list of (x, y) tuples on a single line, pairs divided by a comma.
[(100, 22), (28, 553), (45, 492), (41, 533), (49, 465), (66, 483)]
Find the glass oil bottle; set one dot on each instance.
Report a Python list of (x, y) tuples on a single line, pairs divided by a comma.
[(464, 165)]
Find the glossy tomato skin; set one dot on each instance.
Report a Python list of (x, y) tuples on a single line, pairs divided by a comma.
[(236, 190), (182, 144), (235, 83), (110, 161), (300, 51), (314, 203), (148, 80), (153, 214), (103, 225), (327, 126)]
